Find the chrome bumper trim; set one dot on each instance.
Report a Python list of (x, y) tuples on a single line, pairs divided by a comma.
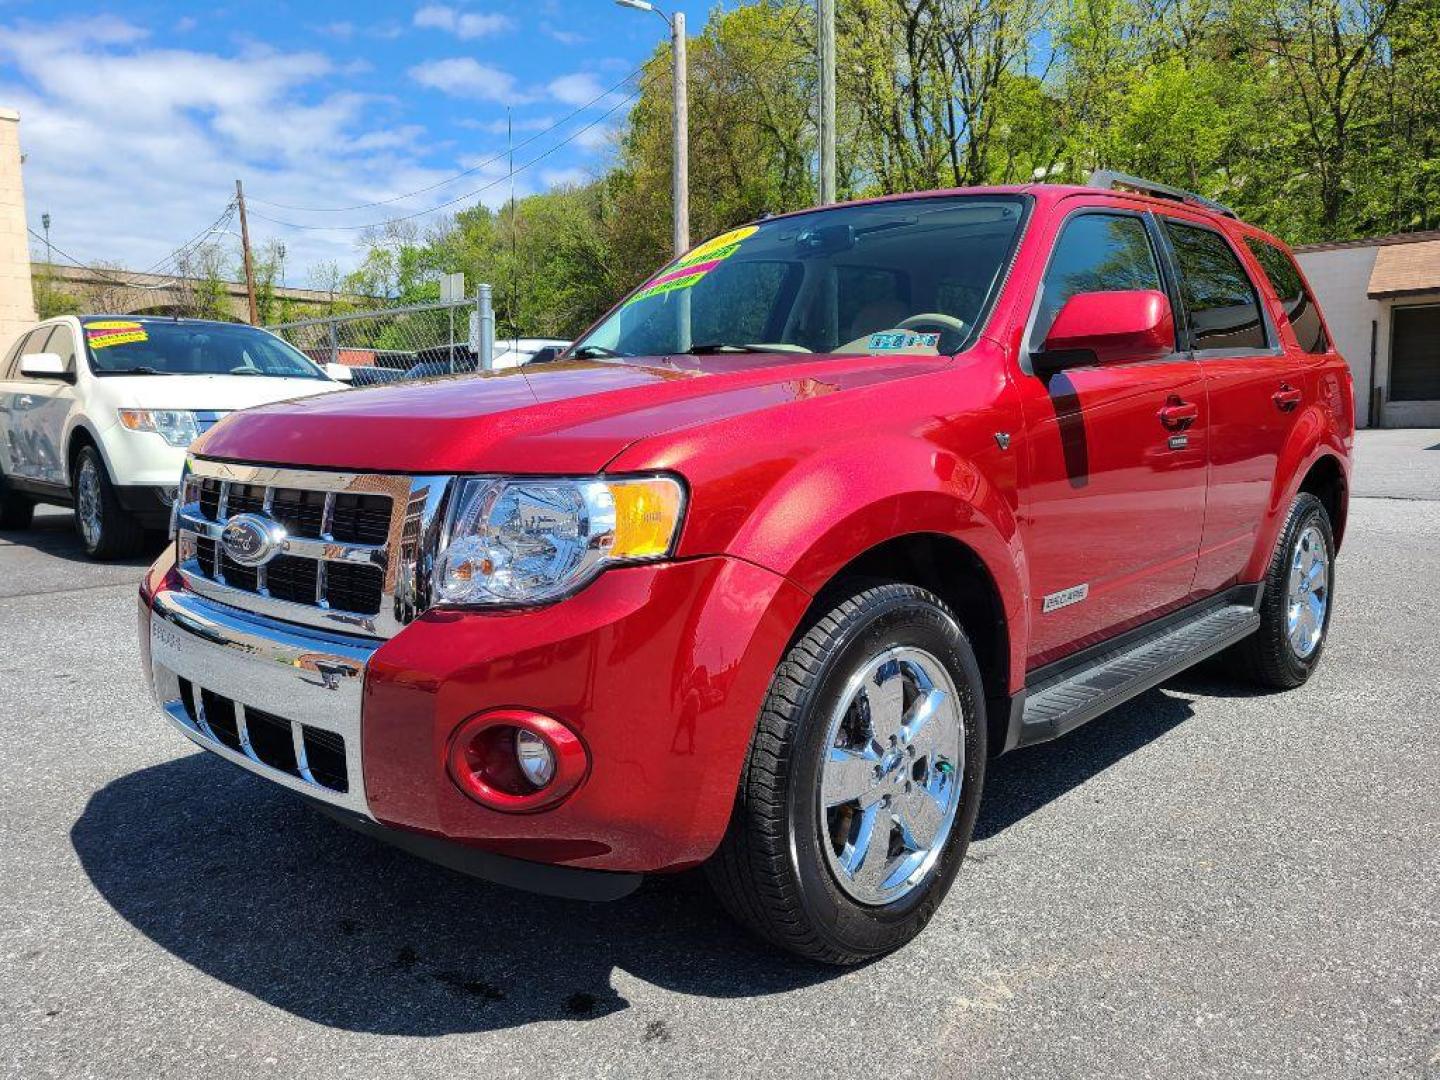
[(257, 662)]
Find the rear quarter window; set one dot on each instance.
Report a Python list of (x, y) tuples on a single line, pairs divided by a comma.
[(1285, 279)]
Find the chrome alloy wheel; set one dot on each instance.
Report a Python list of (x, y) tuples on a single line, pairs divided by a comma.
[(1308, 592), (890, 783), (87, 501)]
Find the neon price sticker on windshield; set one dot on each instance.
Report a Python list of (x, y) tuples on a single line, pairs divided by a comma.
[(693, 266), (896, 340), (102, 335)]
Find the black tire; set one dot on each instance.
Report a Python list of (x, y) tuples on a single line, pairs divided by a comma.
[(771, 871), (16, 510), (1267, 658), (120, 535)]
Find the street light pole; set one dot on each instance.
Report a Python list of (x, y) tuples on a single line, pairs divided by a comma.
[(680, 166), (826, 14)]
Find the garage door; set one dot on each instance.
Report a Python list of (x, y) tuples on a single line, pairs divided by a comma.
[(1415, 354)]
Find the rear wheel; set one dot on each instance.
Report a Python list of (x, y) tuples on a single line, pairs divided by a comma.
[(1295, 610), (860, 791), (105, 528)]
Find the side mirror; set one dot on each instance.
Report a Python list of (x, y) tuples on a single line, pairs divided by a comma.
[(339, 372), (44, 365), (545, 355), (1108, 328)]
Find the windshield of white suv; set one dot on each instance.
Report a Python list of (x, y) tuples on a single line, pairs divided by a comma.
[(178, 347), (907, 276)]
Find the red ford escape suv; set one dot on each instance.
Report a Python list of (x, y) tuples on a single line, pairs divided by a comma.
[(769, 564)]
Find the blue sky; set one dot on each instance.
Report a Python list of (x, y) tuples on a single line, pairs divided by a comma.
[(136, 118)]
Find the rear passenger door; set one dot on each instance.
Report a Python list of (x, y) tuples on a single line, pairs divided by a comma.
[(1253, 387), (1114, 502)]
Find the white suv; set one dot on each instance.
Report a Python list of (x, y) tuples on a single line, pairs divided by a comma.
[(96, 413)]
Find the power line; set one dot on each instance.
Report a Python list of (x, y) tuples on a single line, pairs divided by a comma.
[(457, 176), (196, 240), (104, 275), (459, 198)]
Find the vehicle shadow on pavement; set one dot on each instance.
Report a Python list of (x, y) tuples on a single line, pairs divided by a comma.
[(256, 889), (53, 533), (1023, 781)]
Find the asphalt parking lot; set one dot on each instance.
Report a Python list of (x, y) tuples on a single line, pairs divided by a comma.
[(1207, 882)]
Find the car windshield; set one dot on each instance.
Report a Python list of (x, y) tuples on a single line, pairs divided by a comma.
[(908, 276), (167, 347)]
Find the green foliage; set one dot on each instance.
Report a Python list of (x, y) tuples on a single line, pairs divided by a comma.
[(50, 298), (1317, 119)]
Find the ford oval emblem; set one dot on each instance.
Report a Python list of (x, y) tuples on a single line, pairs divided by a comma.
[(252, 540)]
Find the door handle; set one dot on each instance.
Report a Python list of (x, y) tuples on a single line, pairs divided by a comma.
[(1286, 398), (1178, 415)]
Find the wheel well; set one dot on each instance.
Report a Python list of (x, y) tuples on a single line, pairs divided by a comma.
[(79, 438), (953, 572), (1326, 481)]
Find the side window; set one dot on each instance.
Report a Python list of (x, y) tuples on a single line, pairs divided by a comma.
[(10, 365), (1299, 305), (1095, 253), (1220, 299), (62, 342)]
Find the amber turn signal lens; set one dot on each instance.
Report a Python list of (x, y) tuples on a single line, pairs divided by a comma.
[(647, 516)]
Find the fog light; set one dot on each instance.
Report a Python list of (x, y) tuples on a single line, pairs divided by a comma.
[(537, 760), (515, 760)]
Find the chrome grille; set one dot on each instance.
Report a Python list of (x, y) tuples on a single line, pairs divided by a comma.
[(352, 557)]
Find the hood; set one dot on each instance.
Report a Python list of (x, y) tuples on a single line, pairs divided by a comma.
[(554, 418), (222, 393)]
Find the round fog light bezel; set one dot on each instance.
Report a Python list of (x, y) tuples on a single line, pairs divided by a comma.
[(485, 762)]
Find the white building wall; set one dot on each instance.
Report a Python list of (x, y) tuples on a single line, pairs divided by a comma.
[(17, 302), (1339, 278)]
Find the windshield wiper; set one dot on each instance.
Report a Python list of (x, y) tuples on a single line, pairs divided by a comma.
[(595, 350), (724, 347), (139, 369)]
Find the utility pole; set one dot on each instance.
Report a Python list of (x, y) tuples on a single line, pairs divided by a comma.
[(680, 151), (245, 251), (681, 181), (826, 14)]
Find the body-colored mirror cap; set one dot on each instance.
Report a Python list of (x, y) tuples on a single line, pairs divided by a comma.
[(339, 372), (1114, 327), (45, 364)]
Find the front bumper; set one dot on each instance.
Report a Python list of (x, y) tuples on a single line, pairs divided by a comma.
[(660, 669)]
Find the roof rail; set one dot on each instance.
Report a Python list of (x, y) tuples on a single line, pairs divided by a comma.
[(1110, 180)]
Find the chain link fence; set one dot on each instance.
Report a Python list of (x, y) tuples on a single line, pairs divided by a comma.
[(384, 344)]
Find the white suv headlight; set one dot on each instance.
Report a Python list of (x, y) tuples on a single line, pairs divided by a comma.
[(529, 540), (176, 426)]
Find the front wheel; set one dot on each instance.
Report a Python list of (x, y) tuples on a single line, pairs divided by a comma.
[(107, 531), (860, 791), (1297, 600)]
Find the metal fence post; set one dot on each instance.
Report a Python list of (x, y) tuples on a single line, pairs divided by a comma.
[(487, 328), (334, 345)]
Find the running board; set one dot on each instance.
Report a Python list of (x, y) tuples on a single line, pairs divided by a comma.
[(1063, 703)]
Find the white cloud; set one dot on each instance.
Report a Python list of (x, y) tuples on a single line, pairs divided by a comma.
[(466, 77), (581, 88), (563, 177), (466, 25), (565, 37), (595, 138), (499, 127), (134, 148)]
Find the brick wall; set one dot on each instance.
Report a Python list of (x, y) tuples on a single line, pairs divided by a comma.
[(17, 305)]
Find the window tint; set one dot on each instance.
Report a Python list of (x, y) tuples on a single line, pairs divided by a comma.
[(1299, 306), (1220, 301), (1095, 253), (12, 359)]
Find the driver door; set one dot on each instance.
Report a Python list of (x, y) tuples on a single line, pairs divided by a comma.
[(38, 407), (1114, 507)]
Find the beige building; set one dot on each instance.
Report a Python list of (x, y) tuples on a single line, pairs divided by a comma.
[(1381, 299), (17, 303)]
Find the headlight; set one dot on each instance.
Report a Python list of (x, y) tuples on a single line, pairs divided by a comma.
[(526, 541), (176, 426)]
